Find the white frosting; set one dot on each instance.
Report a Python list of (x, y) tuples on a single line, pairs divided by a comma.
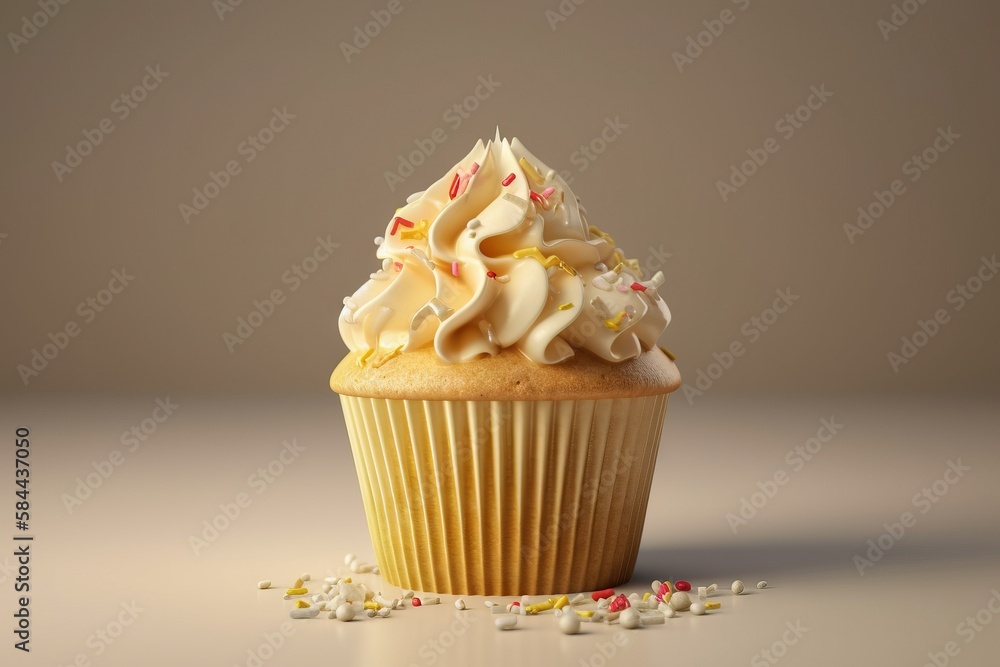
[(502, 297)]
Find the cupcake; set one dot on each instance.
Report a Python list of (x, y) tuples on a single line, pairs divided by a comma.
[(504, 393)]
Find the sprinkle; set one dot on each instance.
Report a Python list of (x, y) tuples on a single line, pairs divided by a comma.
[(379, 240), (530, 170), (463, 184), (415, 602), (420, 232), (566, 306), (585, 614), (638, 287), (453, 190), (671, 356), (547, 262), (510, 179), (378, 363), (474, 223), (596, 231), (538, 198), (491, 274), (600, 595), (396, 222), (296, 591), (475, 168), (712, 605), (615, 323), (622, 288), (264, 584), (419, 254), (454, 268), (547, 192), (398, 265), (436, 307), (363, 359), (618, 267), (302, 604), (561, 602), (619, 603)]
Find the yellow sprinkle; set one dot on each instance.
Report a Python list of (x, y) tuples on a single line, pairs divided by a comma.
[(296, 591), (378, 363), (646, 596), (530, 170), (371, 604), (596, 231), (618, 267), (346, 580), (560, 603), (547, 262), (566, 306), (298, 583), (615, 322), (541, 606), (363, 359), (586, 614), (418, 232), (301, 604), (712, 605), (670, 355)]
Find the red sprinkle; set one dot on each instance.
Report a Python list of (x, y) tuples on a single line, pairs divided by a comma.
[(664, 589), (510, 179), (454, 186), (398, 265), (415, 602), (682, 585), (396, 222), (475, 168), (638, 287), (619, 603), (491, 274), (600, 595), (537, 197), (516, 603)]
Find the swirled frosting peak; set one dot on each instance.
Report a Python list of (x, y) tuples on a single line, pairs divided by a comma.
[(498, 253)]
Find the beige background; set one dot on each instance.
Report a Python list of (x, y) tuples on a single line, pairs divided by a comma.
[(656, 184)]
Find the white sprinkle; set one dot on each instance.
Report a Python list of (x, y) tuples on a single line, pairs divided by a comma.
[(306, 577), (761, 584), (266, 583), (379, 240), (738, 587), (702, 592), (712, 588), (578, 600), (308, 612), (407, 595), (506, 622), (426, 601), (351, 557), (629, 619), (698, 609), (383, 612), (680, 601), (656, 586), (569, 623), (489, 603), (345, 612), (460, 604)]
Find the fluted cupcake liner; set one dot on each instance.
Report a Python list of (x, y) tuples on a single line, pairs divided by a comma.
[(505, 497)]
